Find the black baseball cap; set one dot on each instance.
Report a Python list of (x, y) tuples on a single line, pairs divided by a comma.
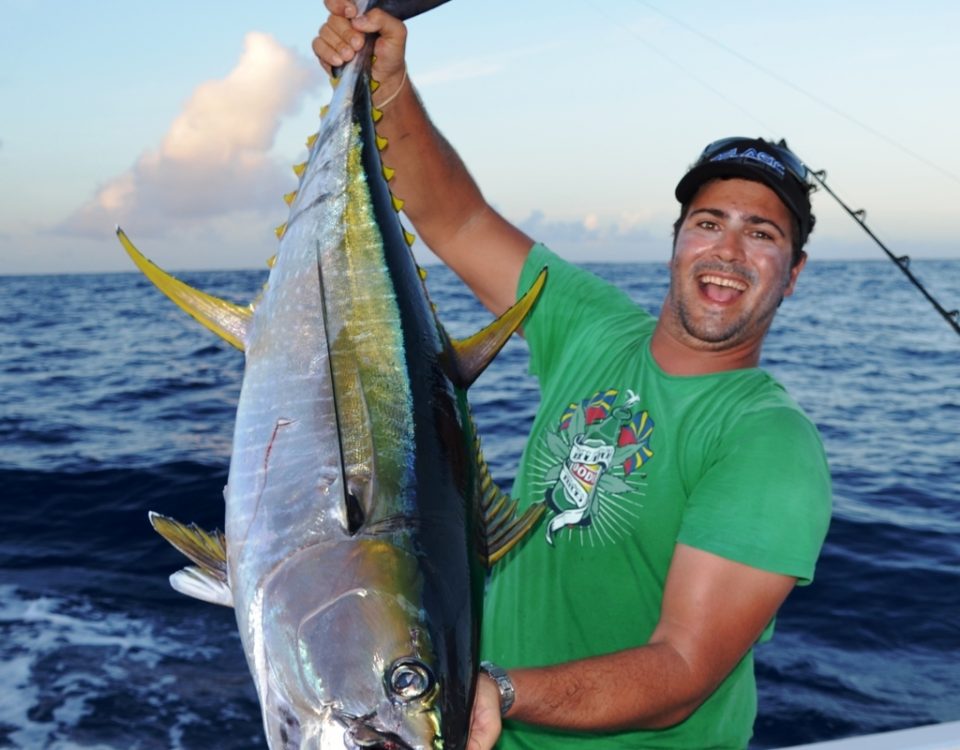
[(772, 164)]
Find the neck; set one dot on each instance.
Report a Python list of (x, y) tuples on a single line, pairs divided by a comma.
[(675, 356)]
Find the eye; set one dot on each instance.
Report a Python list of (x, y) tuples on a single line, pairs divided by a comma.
[(409, 679)]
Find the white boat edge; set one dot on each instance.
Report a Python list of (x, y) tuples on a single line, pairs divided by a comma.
[(933, 737)]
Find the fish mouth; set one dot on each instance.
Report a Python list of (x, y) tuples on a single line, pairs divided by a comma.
[(362, 734)]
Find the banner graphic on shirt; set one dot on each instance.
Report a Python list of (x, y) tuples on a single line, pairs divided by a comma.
[(599, 444)]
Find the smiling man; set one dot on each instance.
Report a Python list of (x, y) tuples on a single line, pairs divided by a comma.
[(688, 493)]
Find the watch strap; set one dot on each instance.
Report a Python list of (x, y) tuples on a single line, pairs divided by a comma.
[(504, 684)]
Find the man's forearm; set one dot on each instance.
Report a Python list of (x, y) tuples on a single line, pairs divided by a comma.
[(437, 191), (650, 687), (448, 211)]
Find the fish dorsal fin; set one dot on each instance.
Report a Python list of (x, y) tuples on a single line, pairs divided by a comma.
[(475, 353), (207, 581), (227, 320), (502, 527)]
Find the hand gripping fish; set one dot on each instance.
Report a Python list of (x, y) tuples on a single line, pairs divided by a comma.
[(359, 511)]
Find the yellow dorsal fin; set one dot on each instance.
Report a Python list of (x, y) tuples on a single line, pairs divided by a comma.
[(227, 320), (475, 353)]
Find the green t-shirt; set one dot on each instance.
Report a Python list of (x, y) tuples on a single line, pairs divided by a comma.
[(631, 461)]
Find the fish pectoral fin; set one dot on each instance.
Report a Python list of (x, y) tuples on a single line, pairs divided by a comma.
[(204, 548), (229, 321), (475, 353), (200, 584), (502, 527)]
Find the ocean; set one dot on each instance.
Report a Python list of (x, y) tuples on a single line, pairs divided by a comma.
[(113, 403)]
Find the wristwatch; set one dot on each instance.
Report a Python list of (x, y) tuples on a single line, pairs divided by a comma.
[(504, 684)]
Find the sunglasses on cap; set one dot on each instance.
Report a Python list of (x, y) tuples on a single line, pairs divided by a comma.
[(776, 157)]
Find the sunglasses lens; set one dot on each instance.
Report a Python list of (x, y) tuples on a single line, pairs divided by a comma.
[(783, 154)]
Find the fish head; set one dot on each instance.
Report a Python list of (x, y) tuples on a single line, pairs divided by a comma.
[(364, 668)]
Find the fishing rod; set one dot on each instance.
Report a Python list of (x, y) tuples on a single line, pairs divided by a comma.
[(901, 261)]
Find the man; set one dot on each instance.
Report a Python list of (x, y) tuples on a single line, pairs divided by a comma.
[(688, 493)]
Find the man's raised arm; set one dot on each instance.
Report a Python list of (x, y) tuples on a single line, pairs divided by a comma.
[(448, 211)]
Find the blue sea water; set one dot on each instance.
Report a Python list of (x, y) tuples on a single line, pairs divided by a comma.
[(112, 403)]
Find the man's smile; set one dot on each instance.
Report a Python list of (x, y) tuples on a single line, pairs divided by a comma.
[(721, 289)]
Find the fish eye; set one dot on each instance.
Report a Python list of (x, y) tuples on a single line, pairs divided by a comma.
[(409, 679)]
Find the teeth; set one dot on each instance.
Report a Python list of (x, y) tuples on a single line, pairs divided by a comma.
[(720, 281)]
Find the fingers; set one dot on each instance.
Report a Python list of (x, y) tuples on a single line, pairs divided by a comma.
[(337, 42), (340, 38), (345, 8)]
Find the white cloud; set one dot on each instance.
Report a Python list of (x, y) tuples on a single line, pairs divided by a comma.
[(214, 159), (597, 238), (482, 66)]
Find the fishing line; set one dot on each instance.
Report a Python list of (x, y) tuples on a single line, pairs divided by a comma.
[(803, 92), (859, 216), (900, 261)]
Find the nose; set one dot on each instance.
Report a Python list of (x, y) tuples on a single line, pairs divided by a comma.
[(729, 246)]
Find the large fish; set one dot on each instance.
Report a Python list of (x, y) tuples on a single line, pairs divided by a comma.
[(359, 511)]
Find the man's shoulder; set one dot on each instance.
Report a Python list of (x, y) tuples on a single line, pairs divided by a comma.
[(576, 294)]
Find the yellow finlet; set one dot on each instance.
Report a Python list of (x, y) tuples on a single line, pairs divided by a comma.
[(312, 139), (299, 169), (381, 143), (281, 230), (409, 237), (334, 82), (323, 110), (290, 197), (388, 173), (376, 114), (423, 273), (272, 261), (227, 320), (398, 204), (374, 85)]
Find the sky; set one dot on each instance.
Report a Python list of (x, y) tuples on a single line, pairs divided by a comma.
[(180, 120)]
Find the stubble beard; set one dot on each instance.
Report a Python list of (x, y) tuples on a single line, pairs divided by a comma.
[(716, 328)]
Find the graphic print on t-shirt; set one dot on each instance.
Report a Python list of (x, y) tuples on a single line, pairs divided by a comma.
[(594, 455)]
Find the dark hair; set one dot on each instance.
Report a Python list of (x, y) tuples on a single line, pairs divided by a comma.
[(771, 164), (796, 243)]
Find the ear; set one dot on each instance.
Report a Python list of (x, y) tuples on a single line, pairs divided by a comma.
[(794, 273)]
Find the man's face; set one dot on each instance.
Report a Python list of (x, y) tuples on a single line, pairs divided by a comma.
[(730, 267)]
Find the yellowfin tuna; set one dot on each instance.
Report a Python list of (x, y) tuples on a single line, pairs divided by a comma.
[(359, 511)]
